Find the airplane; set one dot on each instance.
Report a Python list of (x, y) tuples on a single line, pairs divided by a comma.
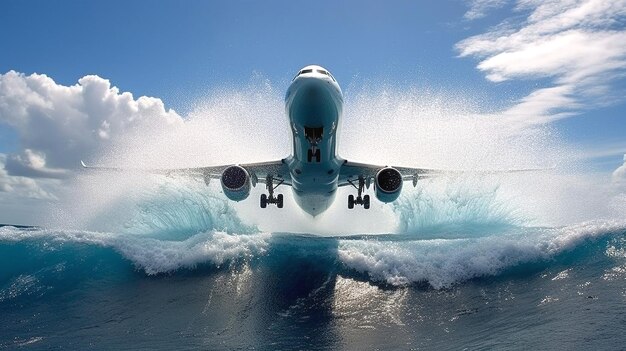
[(314, 170)]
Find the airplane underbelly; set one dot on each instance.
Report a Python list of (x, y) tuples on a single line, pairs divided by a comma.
[(314, 193), (314, 203)]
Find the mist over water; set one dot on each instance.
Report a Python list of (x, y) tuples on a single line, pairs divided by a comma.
[(381, 125)]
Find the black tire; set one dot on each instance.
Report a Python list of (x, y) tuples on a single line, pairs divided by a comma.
[(309, 156), (366, 202), (279, 201), (350, 202), (317, 156), (263, 201)]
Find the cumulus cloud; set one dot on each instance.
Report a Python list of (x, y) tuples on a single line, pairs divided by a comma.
[(579, 45), (20, 186), (59, 125), (32, 164)]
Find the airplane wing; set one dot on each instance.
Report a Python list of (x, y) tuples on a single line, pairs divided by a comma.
[(259, 172), (351, 171)]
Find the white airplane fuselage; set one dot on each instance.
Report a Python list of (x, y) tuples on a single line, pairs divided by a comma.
[(314, 103)]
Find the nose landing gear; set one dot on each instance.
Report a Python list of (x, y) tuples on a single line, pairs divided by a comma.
[(314, 136), (271, 199), (313, 152), (360, 200)]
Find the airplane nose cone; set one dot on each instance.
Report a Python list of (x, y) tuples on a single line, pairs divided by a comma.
[(312, 92)]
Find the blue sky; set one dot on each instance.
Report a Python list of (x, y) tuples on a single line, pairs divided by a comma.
[(173, 51), (169, 49), (166, 49), (177, 51)]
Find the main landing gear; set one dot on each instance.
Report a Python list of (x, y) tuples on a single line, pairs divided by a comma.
[(270, 199), (364, 200)]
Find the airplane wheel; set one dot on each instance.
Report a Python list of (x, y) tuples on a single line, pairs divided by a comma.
[(366, 202), (350, 202), (263, 201), (279, 201), (309, 156)]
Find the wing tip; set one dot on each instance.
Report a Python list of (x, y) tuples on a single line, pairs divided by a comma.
[(82, 163)]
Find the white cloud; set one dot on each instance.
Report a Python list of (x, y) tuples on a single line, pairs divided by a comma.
[(18, 186), (32, 164), (479, 8), (579, 45), (604, 150), (59, 125)]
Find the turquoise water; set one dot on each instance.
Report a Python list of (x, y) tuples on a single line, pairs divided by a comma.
[(174, 266), (513, 287)]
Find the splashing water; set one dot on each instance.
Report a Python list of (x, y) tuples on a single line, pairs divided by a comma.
[(163, 224)]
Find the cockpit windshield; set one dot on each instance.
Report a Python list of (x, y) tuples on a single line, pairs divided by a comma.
[(304, 71), (310, 70), (324, 72)]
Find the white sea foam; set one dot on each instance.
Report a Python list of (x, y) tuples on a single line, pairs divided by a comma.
[(439, 262), (444, 262), (154, 255)]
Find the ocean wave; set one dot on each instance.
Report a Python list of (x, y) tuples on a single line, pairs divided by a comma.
[(395, 260), (444, 262), (152, 255)]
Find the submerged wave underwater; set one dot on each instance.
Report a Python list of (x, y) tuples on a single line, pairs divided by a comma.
[(169, 263)]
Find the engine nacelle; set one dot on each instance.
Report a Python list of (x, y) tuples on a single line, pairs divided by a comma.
[(236, 183), (388, 184)]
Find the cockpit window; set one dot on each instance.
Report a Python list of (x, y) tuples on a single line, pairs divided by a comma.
[(326, 73), (309, 70), (304, 71)]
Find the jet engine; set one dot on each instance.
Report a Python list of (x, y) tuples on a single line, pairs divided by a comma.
[(388, 184), (236, 183)]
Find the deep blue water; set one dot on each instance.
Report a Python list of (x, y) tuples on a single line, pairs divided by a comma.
[(514, 287)]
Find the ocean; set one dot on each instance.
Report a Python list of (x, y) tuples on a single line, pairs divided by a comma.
[(479, 286)]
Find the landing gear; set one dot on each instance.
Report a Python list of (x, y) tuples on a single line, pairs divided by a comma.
[(313, 153), (270, 199), (360, 200), (365, 201), (314, 136), (279, 201)]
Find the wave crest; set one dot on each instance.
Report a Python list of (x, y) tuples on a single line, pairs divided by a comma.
[(444, 262), (154, 255)]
